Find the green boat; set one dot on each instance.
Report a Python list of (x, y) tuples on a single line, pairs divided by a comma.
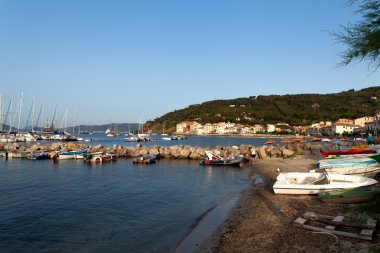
[(348, 196)]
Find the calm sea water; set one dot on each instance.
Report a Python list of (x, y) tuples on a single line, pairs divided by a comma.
[(70, 206), (203, 141)]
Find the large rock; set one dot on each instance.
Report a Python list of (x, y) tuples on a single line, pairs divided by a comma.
[(55, 146), (307, 146), (184, 153), (200, 152), (154, 151), (35, 147), (143, 151), (299, 149), (72, 146), (287, 152), (261, 152), (195, 156), (315, 149)]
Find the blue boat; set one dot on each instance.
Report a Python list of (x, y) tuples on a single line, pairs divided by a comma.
[(348, 162)]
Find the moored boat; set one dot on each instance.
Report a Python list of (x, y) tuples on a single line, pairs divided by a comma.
[(213, 159), (76, 154), (99, 157), (269, 142), (146, 159), (314, 183), (39, 156), (348, 196)]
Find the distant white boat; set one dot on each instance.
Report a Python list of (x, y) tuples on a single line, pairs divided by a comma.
[(132, 138), (314, 183)]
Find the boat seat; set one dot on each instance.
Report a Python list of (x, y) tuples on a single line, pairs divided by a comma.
[(308, 180), (312, 180)]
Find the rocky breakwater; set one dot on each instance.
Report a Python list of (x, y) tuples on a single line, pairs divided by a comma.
[(174, 152)]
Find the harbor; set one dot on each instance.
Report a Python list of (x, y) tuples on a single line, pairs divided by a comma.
[(255, 203)]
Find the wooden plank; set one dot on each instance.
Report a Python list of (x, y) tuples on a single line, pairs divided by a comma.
[(336, 232), (336, 221), (371, 223), (367, 232), (299, 222)]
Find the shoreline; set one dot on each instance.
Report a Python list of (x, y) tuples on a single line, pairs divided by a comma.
[(262, 221)]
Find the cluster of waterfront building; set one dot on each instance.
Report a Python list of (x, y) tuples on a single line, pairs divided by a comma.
[(339, 127)]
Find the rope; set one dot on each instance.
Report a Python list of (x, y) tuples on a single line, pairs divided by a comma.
[(327, 233)]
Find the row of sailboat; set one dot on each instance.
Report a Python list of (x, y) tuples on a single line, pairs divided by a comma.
[(39, 129)]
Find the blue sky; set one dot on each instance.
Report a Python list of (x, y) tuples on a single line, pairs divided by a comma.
[(137, 60)]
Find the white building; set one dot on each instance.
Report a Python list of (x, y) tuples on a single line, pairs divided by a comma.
[(363, 120), (270, 128), (340, 128)]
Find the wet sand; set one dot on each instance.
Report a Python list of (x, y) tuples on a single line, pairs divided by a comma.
[(262, 221)]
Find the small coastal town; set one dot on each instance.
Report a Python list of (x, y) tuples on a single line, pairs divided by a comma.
[(366, 124)]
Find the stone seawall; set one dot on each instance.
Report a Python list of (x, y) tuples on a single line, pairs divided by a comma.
[(177, 151)]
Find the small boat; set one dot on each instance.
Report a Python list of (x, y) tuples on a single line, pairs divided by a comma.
[(314, 183), (348, 196), (346, 162), (315, 140), (76, 154), (132, 138), (286, 140), (146, 159), (326, 140), (99, 157), (295, 140), (358, 166), (353, 162), (213, 159), (167, 138), (349, 152), (39, 156), (269, 142)]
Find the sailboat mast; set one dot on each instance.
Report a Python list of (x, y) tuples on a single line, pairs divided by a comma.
[(19, 115), (9, 112), (75, 111), (14, 118), (53, 120), (33, 109), (30, 112), (39, 115), (1, 113), (42, 117)]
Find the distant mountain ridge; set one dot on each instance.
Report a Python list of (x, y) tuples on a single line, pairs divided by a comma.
[(299, 109)]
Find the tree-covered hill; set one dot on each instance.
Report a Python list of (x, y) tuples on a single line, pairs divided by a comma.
[(301, 109)]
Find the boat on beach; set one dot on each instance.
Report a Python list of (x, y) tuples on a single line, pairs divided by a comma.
[(348, 196), (359, 166), (314, 183), (353, 162), (349, 152)]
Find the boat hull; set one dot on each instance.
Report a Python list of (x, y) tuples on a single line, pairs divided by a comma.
[(349, 196), (314, 183), (220, 162)]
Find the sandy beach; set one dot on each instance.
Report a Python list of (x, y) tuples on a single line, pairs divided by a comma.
[(262, 221)]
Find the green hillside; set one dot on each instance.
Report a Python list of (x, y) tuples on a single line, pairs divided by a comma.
[(301, 109)]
